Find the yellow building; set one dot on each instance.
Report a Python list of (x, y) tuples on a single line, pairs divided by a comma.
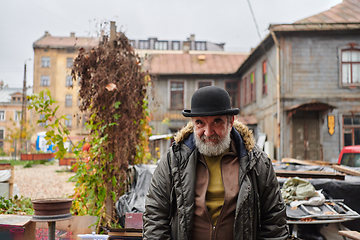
[(10, 115), (53, 59)]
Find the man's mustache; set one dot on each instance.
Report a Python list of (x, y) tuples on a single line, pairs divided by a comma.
[(212, 137)]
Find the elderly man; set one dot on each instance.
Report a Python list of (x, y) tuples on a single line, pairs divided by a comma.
[(214, 182)]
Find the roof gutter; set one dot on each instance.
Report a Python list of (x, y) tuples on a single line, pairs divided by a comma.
[(278, 95)]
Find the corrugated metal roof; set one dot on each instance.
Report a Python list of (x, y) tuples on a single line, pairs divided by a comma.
[(346, 12), (344, 16), (60, 42), (187, 63)]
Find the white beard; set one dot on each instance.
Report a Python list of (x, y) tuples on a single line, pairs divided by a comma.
[(212, 149)]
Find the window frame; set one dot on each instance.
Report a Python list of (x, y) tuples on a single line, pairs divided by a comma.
[(2, 115), (349, 47), (68, 121), (173, 43), (42, 124), (69, 62), (3, 137), (171, 95), (68, 100), (69, 81), (161, 45), (44, 79), (349, 128), (45, 62), (235, 92), (17, 117), (197, 82)]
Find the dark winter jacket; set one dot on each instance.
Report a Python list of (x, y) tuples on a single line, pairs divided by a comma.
[(260, 210)]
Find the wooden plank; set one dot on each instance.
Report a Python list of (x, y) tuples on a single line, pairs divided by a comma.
[(302, 162), (310, 174), (350, 234), (346, 170)]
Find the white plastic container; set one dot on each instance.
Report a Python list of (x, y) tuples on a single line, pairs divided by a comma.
[(92, 236)]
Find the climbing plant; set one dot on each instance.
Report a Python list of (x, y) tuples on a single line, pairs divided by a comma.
[(113, 95)]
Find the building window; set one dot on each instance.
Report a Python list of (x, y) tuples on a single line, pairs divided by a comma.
[(70, 50), (175, 45), (2, 115), (177, 95), (68, 100), (204, 84), (2, 136), (144, 44), (132, 43), (69, 81), (17, 116), (161, 45), (351, 130), (200, 46), (41, 117), (68, 120), (252, 87), (69, 62), (232, 88), (45, 62), (350, 66), (45, 81), (246, 95), (264, 78)]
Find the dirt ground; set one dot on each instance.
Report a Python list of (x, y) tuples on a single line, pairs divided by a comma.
[(43, 181)]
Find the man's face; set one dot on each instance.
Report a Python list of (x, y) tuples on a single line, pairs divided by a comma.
[(212, 134)]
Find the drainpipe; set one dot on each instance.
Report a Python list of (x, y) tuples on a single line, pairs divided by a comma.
[(278, 94)]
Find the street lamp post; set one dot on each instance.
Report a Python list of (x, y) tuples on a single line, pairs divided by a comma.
[(23, 109)]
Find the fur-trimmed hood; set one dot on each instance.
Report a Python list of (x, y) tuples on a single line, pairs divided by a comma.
[(244, 131)]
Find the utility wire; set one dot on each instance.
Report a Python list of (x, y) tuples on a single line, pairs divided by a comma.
[(262, 44)]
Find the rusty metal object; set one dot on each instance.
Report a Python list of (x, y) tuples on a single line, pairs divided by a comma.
[(52, 206)]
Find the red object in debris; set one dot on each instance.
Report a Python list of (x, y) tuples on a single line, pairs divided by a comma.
[(86, 147), (133, 220)]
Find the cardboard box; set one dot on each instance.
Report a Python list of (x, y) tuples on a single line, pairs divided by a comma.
[(17, 227)]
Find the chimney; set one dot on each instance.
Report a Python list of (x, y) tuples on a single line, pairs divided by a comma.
[(72, 34), (47, 33), (186, 47), (192, 38), (112, 31)]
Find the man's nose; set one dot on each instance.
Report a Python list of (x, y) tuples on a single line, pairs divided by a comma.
[(208, 131)]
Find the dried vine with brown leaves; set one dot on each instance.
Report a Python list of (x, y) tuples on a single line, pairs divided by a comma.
[(113, 93)]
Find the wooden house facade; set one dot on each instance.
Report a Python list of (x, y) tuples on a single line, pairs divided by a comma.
[(302, 82)]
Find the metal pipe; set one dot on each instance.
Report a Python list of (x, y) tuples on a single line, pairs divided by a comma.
[(51, 230)]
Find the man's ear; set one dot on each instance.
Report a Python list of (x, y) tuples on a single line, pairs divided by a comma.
[(232, 120)]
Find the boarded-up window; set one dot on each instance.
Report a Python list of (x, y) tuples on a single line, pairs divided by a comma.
[(264, 78), (252, 87), (350, 66), (177, 95), (232, 88)]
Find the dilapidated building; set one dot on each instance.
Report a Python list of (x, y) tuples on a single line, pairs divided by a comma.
[(302, 82)]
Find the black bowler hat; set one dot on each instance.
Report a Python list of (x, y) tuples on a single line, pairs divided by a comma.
[(210, 101)]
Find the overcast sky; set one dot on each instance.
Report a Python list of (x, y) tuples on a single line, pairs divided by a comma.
[(22, 22)]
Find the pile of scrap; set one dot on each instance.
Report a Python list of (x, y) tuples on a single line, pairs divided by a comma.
[(339, 172)]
